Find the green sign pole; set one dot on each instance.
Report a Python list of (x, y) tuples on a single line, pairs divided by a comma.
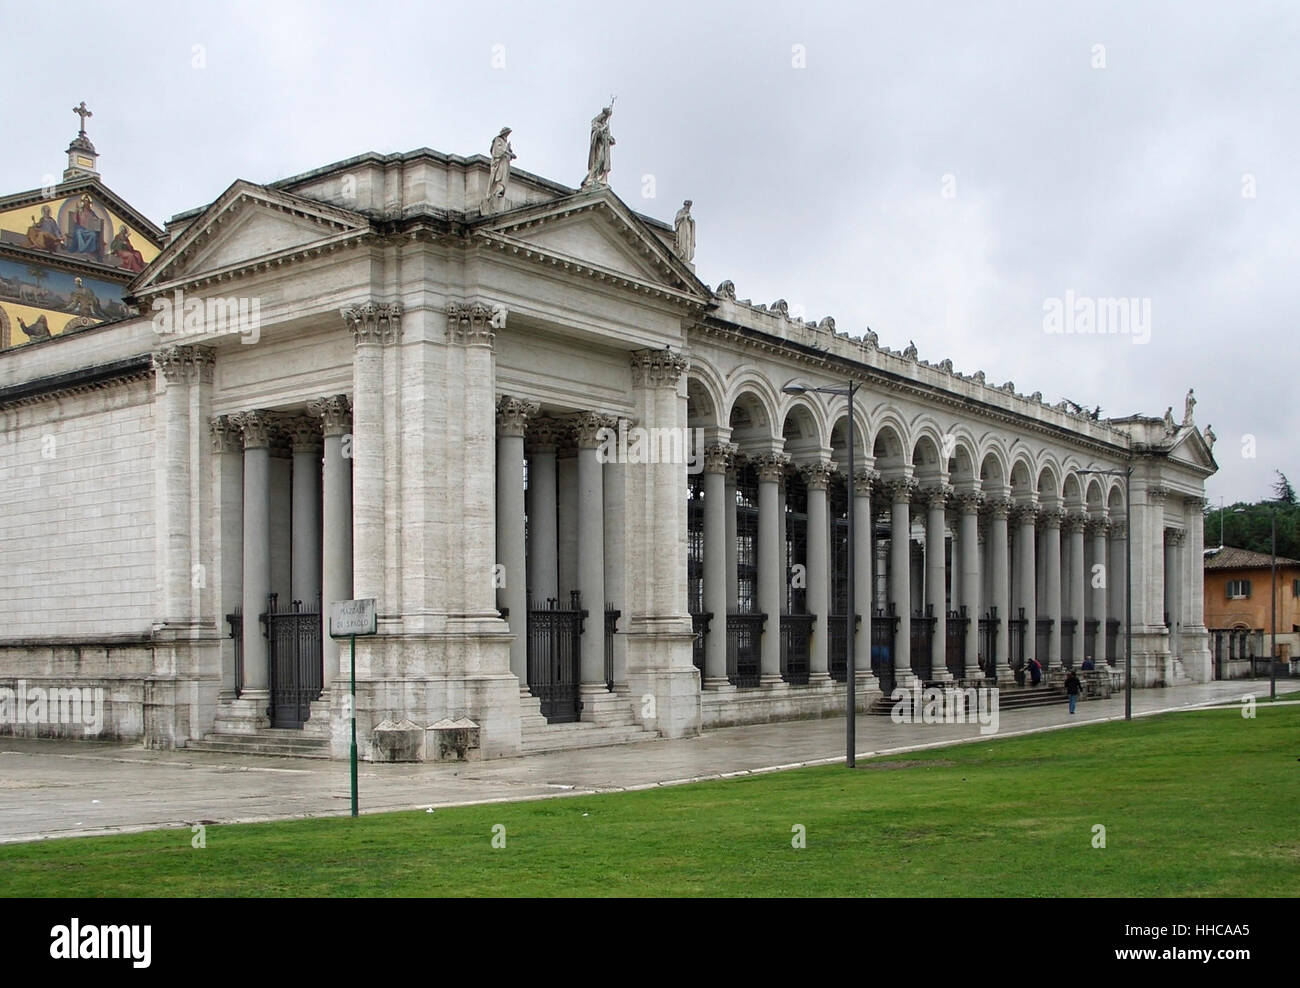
[(354, 724)]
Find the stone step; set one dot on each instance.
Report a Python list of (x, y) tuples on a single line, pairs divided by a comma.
[(563, 737), (269, 741)]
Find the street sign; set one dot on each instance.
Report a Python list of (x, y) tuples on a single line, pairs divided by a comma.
[(349, 618)]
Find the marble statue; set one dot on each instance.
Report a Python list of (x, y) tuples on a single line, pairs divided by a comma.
[(1188, 405), (1170, 425), (1210, 437), (684, 233), (598, 157), (502, 155)]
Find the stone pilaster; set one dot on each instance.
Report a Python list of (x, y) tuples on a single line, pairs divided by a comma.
[(998, 508), (718, 460), (816, 477), (936, 572), (898, 492), (968, 505), (335, 415), (661, 674)]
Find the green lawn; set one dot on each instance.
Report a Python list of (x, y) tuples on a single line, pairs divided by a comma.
[(1193, 804)]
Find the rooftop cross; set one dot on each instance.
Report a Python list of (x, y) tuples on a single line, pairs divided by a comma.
[(82, 112)]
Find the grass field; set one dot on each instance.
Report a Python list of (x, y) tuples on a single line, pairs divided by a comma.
[(1193, 804)]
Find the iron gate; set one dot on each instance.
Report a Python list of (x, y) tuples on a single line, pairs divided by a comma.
[(923, 643), (555, 657), (744, 634), (296, 673), (796, 652), (955, 646), (884, 626), (989, 643)]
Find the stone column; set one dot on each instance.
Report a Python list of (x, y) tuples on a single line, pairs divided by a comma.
[(543, 512), (969, 505), (1052, 518), (256, 427), (1098, 581), (771, 563), (999, 507), (1115, 577), (1174, 539), (1075, 524), (717, 460), (590, 431), (936, 576), (227, 447), (335, 413), (305, 564), (373, 326), (566, 499), (863, 550), (512, 581), (900, 574), (616, 575), (1027, 517), (816, 477)]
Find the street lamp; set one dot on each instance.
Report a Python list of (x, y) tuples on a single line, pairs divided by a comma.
[(1272, 584), (851, 725), (1127, 474)]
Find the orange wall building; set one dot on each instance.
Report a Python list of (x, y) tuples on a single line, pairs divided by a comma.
[(1237, 611)]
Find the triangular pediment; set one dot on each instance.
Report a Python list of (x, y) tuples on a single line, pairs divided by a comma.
[(1190, 447), (594, 231), (248, 224)]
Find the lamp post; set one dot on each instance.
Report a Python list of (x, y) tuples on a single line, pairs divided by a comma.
[(1127, 474), (1272, 603), (851, 726)]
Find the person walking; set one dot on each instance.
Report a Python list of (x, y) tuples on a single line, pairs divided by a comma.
[(1072, 689)]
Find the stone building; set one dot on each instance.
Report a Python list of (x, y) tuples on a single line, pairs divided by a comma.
[(565, 468), (1248, 597)]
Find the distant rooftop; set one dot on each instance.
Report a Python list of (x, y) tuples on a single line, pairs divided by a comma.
[(1230, 557)]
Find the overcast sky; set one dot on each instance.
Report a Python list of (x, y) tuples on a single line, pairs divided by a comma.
[(936, 172)]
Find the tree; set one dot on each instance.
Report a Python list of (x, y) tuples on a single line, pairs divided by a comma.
[(1283, 492)]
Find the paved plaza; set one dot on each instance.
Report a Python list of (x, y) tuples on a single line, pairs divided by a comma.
[(51, 788)]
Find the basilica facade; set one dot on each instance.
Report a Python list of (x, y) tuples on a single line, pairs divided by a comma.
[(594, 499)]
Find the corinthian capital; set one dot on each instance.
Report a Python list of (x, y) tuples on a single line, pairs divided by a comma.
[(771, 466), (373, 322), (863, 482), (183, 364), (259, 427), (998, 507), (899, 490), (937, 497), (335, 413), (226, 435), (474, 323), (513, 415), (968, 501), (719, 458), (657, 368), (590, 429), (817, 476)]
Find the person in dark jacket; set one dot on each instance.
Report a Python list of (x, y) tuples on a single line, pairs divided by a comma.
[(1035, 671), (1072, 689)]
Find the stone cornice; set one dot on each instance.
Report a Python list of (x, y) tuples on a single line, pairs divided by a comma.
[(98, 378), (750, 340)]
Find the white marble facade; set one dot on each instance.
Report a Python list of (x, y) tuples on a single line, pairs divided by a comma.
[(412, 411)]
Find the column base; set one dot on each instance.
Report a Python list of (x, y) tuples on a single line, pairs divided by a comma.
[(817, 678), (245, 715)]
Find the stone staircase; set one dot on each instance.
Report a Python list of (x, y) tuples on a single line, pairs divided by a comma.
[(276, 742), (1009, 697), (615, 725)]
